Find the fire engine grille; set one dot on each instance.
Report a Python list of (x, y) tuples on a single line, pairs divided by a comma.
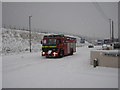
[(47, 49)]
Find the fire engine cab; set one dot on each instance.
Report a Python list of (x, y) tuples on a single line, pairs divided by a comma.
[(58, 45)]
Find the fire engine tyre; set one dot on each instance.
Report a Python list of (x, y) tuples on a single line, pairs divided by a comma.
[(71, 53), (61, 54)]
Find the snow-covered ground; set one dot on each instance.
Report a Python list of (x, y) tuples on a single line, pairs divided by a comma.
[(30, 70)]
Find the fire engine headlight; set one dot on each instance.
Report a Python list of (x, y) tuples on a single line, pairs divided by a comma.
[(54, 53), (43, 53)]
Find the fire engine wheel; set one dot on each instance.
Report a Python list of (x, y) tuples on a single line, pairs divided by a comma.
[(61, 54), (71, 53)]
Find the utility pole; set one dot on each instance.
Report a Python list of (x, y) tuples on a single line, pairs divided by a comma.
[(30, 31), (110, 28), (112, 31)]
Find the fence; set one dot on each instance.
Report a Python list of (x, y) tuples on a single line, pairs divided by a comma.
[(13, 27)]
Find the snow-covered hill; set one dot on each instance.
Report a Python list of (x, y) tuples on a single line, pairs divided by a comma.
[(18, 41)]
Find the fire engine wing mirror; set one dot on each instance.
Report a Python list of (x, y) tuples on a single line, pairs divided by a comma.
[(41, 42)]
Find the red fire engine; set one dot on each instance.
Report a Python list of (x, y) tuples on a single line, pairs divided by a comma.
[(58, 45)]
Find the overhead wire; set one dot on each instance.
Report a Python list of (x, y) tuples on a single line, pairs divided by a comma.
[(102, 13)]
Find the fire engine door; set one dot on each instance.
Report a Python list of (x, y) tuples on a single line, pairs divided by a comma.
[(68, 48)]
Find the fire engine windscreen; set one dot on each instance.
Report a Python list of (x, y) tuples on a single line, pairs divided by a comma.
[(49, 41)]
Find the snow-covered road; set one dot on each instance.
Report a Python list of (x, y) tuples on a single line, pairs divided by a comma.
[(30, 70)]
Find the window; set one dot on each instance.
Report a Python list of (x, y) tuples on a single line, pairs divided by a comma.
[(49, 41)]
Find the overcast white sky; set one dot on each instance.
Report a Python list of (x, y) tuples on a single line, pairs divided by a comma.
[(74, 17)]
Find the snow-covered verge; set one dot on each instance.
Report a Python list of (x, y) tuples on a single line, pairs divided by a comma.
[(15, 41)]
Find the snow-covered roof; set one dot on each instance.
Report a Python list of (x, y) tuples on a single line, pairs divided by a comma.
[(107, 51)]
